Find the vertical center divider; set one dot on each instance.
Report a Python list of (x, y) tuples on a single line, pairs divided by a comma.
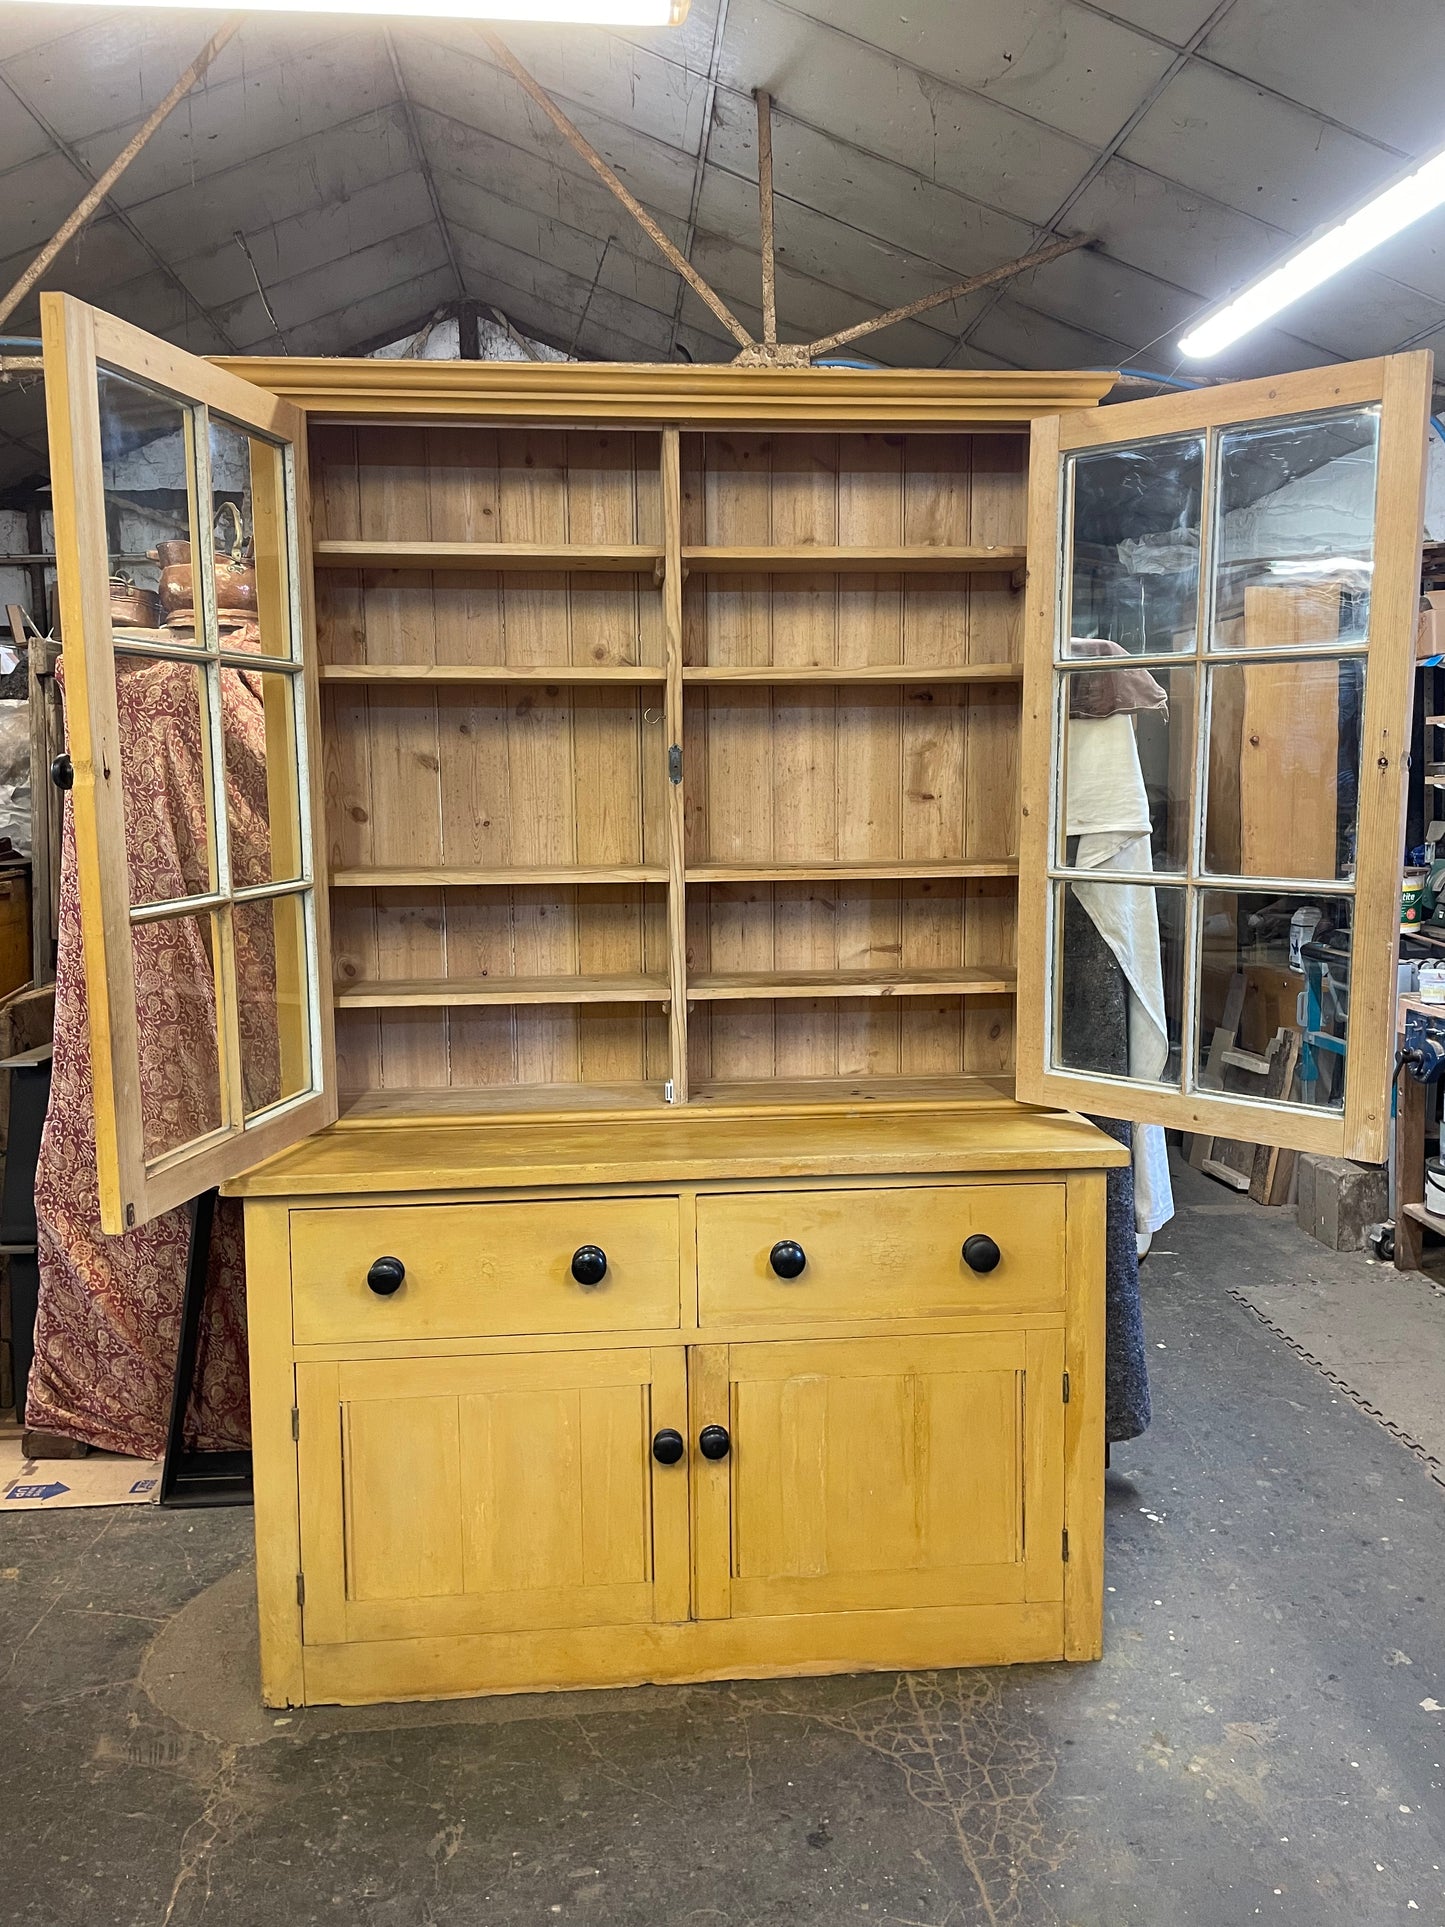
[(672, 578)]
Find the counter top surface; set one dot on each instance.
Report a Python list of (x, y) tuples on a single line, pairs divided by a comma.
[(687, 1146)]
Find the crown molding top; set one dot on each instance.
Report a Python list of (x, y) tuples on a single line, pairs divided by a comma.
[(698, 394)]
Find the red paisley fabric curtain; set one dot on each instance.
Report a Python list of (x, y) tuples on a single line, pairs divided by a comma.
[(110, 1308)]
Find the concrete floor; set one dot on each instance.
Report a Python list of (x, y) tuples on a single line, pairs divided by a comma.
[(1261, 1741)]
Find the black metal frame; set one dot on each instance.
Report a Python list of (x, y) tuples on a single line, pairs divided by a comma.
[(29, 1101), (191, 1478)]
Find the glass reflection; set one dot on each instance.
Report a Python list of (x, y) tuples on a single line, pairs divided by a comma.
[(1119, 950), (163, 713), (1134, 575), (1294, 538), (1128, 752), (1283, 784), (179, 1041), (271, 980), (263, 808), (146, 470), (1290, 956), (252, 557)]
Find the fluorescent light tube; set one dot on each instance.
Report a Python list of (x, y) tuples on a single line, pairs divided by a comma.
[(576, 13), (1338, 247)]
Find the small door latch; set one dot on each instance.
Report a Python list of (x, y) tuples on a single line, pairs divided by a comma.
[(674, 764)]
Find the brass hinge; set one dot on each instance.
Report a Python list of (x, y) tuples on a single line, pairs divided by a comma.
[(296, 1422), (674, 764), (300, 1589), (1066, 1545), (1066, 1388)]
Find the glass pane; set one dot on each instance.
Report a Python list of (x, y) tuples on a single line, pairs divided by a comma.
[(263, 803), (1284, 768), (1294, 536), (1134, 567), (248, 495), (271, 978), (1128, 752), (147, 477), (1119, 951), (165, 750), (180, 1059), (1294, 955)]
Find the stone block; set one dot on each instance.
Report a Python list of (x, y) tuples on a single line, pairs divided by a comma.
[(1339, 1200)]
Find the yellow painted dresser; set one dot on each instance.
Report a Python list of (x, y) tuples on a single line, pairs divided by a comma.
[(638, 855), (584, 1402)]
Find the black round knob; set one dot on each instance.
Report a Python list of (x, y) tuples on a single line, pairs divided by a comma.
[(980, 1253), (62, 773), (668, 1445), (386, 1276), (589, 1264), (787, 1259), (713, 1441)]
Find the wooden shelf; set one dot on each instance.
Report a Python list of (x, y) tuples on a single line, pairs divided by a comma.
[(447, 1105), (885, 871), (813, 558), (593, 558), (805, 1093), (447, 672), (1422, 1214), (883, 673), (458, 992), (451, 1104), (443, 877), (966, 981)]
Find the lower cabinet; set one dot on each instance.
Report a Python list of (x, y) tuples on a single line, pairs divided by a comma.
[(877, 1473), (452, 1496), (721, 1423), (449, 1496)]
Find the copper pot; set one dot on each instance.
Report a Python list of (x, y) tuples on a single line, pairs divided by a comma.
[(235, 576), (235, 585), (133, 608)]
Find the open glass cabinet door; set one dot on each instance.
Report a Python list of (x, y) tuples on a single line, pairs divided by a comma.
[(1217, 695), (190, 700)]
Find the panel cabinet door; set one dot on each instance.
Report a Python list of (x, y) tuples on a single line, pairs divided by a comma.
[(450, 1496), (879, 1472), (188, 666), (1218, 677)]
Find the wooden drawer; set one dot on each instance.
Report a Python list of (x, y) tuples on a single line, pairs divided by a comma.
[(484, 1270), (894, 1253)]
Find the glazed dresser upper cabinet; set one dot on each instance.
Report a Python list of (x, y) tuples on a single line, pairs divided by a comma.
[(627, 871)]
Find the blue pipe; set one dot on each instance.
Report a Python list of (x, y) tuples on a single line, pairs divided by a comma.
[(1438, 426)]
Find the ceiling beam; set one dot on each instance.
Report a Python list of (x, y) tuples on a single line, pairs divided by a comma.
[(766, 222), (577, 140), (419, 153), (1071, 200), (99, 191), (699, 172)]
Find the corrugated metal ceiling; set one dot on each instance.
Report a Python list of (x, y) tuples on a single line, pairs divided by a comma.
[(377, 176)]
